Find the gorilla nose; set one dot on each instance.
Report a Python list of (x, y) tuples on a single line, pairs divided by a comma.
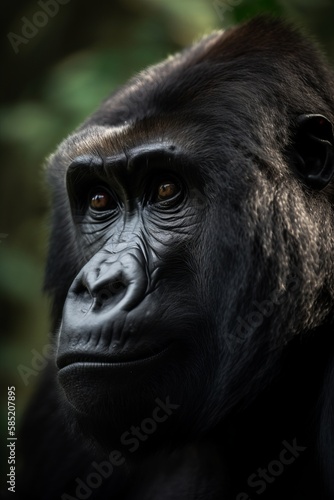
[(118, 281), (108, 285)]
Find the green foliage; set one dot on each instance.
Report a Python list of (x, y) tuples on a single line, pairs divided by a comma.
[(20, 276), (249, 8)]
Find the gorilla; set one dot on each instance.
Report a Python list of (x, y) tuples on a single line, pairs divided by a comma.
[(191, 273)]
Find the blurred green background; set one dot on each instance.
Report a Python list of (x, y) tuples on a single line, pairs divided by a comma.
[(53, 75)]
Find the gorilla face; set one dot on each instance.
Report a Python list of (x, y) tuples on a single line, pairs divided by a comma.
[(135, 323), (183, 230), (140, 321)]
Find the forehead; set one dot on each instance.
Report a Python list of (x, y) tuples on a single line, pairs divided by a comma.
[(134, 138), (202, 114), (104, 141)]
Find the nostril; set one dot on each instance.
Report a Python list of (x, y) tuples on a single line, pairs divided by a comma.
[(117, 286), (102, 296), (112, 287), (113, 290), (81, 290)]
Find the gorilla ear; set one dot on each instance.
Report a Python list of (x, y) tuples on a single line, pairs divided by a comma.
[(314, 150)]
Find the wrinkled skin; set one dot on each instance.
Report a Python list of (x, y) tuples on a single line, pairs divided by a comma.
[(191, 271)]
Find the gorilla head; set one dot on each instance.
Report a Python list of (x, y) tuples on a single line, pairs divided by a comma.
[(192, 243)]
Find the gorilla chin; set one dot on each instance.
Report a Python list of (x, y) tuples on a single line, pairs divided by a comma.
[(105, 410), (86, 390)]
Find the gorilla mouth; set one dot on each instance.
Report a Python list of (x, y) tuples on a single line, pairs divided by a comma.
[(129, 358)]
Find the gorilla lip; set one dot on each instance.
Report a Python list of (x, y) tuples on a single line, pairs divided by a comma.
[(100, 361)]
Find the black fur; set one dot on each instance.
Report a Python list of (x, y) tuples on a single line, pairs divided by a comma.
[(243, 279)]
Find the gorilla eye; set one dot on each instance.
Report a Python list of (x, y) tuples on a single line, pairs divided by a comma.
[(166, 191), (100, 200)]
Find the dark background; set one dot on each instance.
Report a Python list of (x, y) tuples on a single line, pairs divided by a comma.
[(54, 72)]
